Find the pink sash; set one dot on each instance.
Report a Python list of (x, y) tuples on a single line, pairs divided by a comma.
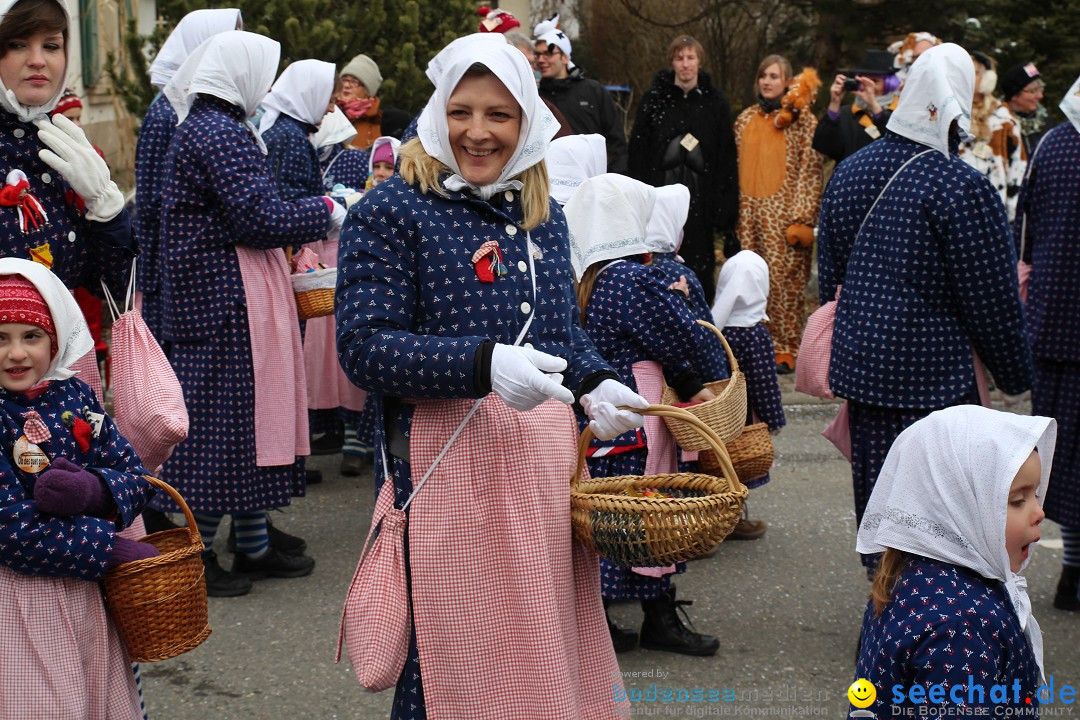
[(661, 458), (327, 386), (281, 424), (508, 615)]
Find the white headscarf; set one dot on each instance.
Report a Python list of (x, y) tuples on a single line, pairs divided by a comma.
[(7, 97), (1070, 104), (236, 66), (943, 493), (191, 32), (335, 130), (607, 218), (939, 89), (302, 91), (742, 291), (394, 144), (446, 69), (73, 338), (664, 233), (572, 159)]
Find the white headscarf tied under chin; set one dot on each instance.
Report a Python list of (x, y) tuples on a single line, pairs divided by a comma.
[(572, 159), (943, 493), (302, 92), (939, 89), (236, 66), (7, 97), (73, 338), (538, 125), (664, 233), (191, 32), (742, 291), (1070, 104), (608, 217)]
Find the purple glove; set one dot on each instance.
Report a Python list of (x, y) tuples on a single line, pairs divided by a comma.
[(67, 489), (125, 551)]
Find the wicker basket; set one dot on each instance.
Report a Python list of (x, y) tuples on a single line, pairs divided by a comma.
[(751, 454), (159, 604), (725, 414), (637, 531), (314, 291)]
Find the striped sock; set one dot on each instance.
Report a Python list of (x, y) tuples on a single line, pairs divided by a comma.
[(353, 445), (138, 687), (1071, 540), (252, 538), (208, 526)]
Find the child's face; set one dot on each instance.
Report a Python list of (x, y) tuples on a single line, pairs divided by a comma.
[(25, 354), (381, 171), (1025, 512)]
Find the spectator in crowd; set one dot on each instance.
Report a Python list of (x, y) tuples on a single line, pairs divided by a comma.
[(845, 129), (1022, 90), (358, 99)]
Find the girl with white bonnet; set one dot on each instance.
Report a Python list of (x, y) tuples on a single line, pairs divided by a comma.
[(340, 165), (921, 244), (455, 311), (229, 310), (647, 331), (155, 132), (956, 511), (742, 293)]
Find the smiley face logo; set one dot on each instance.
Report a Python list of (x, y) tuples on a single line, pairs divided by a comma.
[(861, 693)]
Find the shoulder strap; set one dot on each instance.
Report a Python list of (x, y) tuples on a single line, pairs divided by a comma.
[(1028, 171), (882, 193)]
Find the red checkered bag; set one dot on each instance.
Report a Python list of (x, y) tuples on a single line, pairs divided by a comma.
[(148, 402), (815, 352), (376, 622)]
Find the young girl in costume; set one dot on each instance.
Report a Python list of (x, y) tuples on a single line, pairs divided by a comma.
[(384, 152), (647, 331), (742, 291), (68, 483), (956, 510)]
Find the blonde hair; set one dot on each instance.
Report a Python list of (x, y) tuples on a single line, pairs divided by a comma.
[(585, 290), (892, 563)]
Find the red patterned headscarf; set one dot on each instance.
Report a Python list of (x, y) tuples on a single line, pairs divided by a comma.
[(20, 302)]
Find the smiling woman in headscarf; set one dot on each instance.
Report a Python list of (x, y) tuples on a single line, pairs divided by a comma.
[(1049, 213), (455, 309), (155, 132), (927, 267), (957, 513), (228, 308)]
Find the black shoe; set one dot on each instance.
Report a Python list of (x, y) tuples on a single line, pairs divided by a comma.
[(283, 541), (313, 477), (327, 444), (664, 630), (621, 640), (157, 521), (353, 465), (219, 581), (273, 564), (1066, 596)]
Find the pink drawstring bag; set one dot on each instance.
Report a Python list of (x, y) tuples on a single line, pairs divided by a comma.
[(148, 402), (815, 352), (377, 620)]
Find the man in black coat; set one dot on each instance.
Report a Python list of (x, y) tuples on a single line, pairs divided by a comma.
[(683, 134), (585, 104)]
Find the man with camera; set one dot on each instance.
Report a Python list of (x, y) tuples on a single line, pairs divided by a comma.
[(843, 130)]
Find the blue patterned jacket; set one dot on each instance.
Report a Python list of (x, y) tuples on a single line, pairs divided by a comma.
[(714, 362), (154, 135), (412, 313), (932, 276), (292, 158), (82, 251), (78, 546), (345, 166), (1052, 204), (217, 193)]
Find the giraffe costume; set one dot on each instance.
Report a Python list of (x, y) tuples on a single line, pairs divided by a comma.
[(780, 183)]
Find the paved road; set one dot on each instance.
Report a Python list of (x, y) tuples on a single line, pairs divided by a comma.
[(787, 608)]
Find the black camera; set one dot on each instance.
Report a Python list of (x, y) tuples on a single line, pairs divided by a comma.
[(852, 84)]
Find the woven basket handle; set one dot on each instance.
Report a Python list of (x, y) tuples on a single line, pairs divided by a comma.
[(193, 529), (667, 411), (723, 341)]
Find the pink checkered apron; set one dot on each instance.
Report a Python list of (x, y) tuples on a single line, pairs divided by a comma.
[(507, 608), (327, 386), (61, 657), (281, 422)]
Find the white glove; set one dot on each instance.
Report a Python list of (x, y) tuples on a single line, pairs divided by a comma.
[(337, 217), (524, 378), (602, 406), (71, 154)]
